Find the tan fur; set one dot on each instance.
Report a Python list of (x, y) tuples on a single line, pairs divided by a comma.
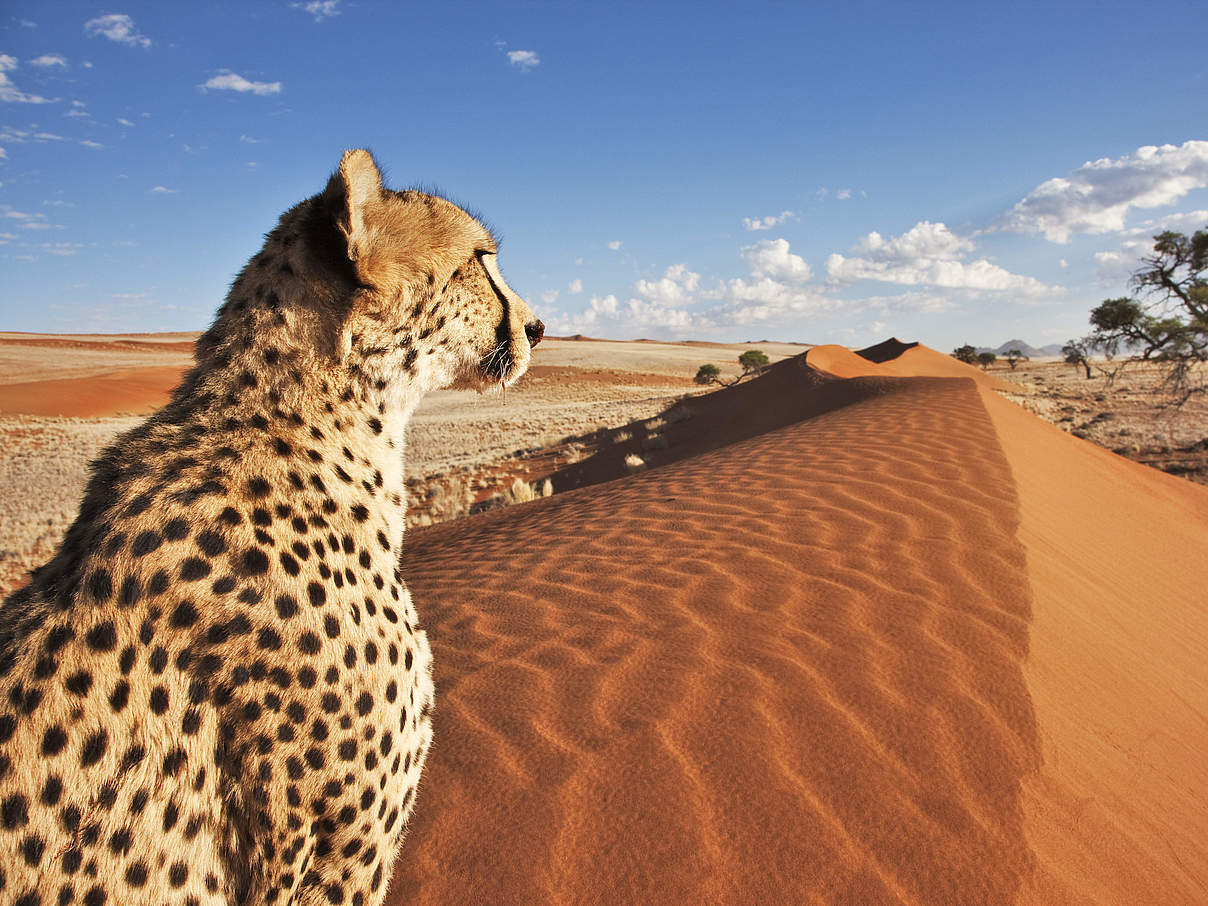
[(217, 691)]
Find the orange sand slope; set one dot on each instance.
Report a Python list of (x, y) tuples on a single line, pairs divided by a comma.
[(122, 391), (918, 647)]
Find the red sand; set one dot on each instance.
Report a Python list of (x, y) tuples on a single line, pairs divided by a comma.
[(122, 391), (893, 641)]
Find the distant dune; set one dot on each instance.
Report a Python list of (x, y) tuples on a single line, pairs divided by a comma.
[(899, 641), (125, 391)]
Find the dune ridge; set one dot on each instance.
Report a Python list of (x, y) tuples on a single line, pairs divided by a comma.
[(786, 670), (873, 644)]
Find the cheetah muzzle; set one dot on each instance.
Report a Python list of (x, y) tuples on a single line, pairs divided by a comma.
[(217, 691)]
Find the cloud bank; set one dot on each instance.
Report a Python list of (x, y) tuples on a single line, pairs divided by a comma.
[(1097, 196)]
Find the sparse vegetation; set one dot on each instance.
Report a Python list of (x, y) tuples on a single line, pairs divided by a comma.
[(966, 354), (1170, 327), (1119, 416), (634, 463), (986, 359), (1076, 353), (519, 491), (1014, 357), (753, 361)]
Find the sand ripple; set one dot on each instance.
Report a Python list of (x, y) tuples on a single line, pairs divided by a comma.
[(786, 670)]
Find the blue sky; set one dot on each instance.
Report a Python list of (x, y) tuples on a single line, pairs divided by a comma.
[(791, 171)]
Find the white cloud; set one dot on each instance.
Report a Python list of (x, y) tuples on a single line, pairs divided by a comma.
[(843, 194), (574, 287), (248, 140), (766, 223), (1097, 196), (923, 240), (673, 288), (116, 27), (1117, 265), (772, 258), (124, 121), (320, 9), (89, 143), (1113, 265), (3, 156), (49, 59), (615, 244), (163, 190), (674, 301), (550, 296), (9, 92), (524, 59), (928, 254), (231, 81), (764, 299), (1063, 264), (1185, 222), (10, 213)]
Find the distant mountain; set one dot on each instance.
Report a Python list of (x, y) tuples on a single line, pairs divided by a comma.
[(1032, 352)]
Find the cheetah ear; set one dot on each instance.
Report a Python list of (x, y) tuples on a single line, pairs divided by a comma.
[(357, 185)]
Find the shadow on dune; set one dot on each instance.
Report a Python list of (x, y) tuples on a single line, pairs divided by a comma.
[(788, 392), (885, 351)]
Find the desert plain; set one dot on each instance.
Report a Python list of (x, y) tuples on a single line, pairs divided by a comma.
[(865, 628)]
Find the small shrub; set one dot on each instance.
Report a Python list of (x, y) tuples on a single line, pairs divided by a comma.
[(679, 414), (634, 463), (753, 361), (520, 491)]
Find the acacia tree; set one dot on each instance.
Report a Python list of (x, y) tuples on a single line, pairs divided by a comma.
[(1077, 353), (1169, 324), (1014, 357), (986, 359), (966, 354), (752, 361)]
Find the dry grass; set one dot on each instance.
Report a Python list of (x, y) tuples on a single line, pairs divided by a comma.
[(1130, 415), (43, 470), (463, 449)]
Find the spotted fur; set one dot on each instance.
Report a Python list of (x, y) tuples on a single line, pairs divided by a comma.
[(217, 691)]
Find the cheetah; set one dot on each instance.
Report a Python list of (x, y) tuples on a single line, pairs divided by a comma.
[(217, 691)]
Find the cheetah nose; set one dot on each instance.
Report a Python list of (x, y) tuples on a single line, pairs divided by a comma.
[(534, 331)]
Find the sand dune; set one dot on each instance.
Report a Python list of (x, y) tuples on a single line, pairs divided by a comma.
[(880, 639), (123, 391)]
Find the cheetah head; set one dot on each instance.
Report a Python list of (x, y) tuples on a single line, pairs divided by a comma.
[(431, 305)]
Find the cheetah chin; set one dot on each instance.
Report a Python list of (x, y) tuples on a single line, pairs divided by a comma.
[(218, 690)]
